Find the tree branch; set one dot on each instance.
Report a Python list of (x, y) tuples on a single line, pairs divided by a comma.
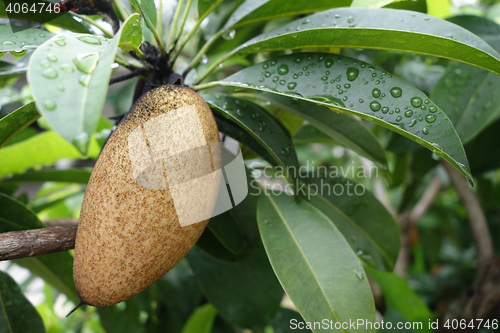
[(35, 242), (477, 220), (408, 219)]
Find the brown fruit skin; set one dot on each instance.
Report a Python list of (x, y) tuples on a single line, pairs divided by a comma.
[(128, 236)]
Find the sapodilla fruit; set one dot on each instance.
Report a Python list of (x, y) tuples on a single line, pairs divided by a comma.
[(142, 210)]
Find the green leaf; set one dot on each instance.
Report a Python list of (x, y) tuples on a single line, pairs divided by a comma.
[(79, 176), (17, 314), (483, 150), (201, 320), (368, 227), (23, 40), (469, 96), (380, 29), (56, 268), (131, 37), (43, 149), (255, 11), (65, 21), (69, 76), (15, 216), (488, 30), (246, 292), (147, 8), (313, 261), (205, 7), (310, 134), (417, 5), (348, 85), (288, 321), (16, 121), (400, 297), (225, 229), (341, 127), (260, 125)]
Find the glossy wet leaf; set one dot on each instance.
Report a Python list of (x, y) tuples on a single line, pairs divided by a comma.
[(367, 226), (69, 76), (201, 320), (352, 86), (43, 149), (254, 11), (399, 296), (380, 29), (16, 121), (466, 93), (469, 96), (310, 134), (79, 176), (225, 229), (17, 314), (313, 261), (14, 215), (260, 125), (23, 40), (131, 37), (207, 6), (246, 292), (147, 8), (341, 127), (483, 150)]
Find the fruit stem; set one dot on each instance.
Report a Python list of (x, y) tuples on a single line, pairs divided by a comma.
[(76, 308), (184, 18), (173, 25), (213, 67), (123, 13), (194, 29), (202, 51), (206, 85), (94, 23)]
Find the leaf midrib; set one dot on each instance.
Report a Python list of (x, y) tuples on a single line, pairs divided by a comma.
[(303, 254)]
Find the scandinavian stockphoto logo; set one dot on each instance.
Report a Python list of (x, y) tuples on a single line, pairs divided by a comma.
[(170, 152)]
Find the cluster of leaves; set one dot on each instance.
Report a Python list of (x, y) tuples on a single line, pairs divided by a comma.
[(268, 66)]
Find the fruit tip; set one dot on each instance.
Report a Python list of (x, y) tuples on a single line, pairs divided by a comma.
[(76, 307)]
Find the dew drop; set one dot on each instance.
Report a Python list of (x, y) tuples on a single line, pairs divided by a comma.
[(398, 118), (413, 123), (298, 59), (432, 109), (265, 65), (324, 78), (416, 101), (430, 118), (52, 57), (409, 113), (282, 82), (45, 63), (376, 93), (291, 85), (60, 42), (42, 35), (8, 42), (396, 92), (283, 69), (84, 80), (352, 73), (359, 274), (49, 104), (385, 109), (375, 106), (67, 68), (275, 79), (229, 35), (425, 130), (240, 113), (50, 73), (89, 40), (347, 86), (61, 88), (204, 59), (86, 62), (286, 151), (328, 63), (267, 74)]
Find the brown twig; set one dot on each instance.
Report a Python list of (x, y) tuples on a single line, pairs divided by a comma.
[(408, 219), (482, 299), (35, 242)]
